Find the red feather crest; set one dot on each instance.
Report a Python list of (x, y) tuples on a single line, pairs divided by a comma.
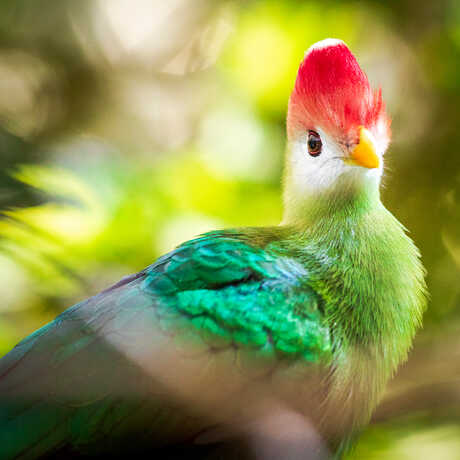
[(332, 92)]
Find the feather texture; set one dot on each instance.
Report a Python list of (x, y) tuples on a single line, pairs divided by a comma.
[(332, 92), (308, 319), (111, 364)]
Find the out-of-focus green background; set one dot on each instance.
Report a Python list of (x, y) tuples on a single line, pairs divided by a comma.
[(127, 127)]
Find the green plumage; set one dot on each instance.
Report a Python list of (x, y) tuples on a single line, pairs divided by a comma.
[(281, 294), (311, 317), (226, 288), (215, 292)]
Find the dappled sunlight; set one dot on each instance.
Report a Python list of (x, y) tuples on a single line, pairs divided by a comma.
[(235, 144)]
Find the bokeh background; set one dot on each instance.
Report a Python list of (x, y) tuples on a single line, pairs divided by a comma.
[(129, 126)]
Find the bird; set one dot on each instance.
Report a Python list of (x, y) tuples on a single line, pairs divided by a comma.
[(281, 336)]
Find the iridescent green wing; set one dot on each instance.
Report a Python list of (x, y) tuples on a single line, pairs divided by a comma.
[(157, 355), (252, 296)]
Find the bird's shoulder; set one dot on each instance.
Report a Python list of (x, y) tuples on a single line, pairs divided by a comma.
[(243, 285), (229, 286)]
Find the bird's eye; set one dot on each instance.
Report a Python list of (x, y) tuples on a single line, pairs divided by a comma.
[(314, 143)]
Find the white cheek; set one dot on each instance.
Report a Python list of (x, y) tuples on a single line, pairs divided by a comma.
[(310, 174)]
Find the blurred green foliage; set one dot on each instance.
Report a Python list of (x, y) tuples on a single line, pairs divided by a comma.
[(117, 143)]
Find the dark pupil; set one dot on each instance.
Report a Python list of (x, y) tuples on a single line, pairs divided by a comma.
[(313, 143)]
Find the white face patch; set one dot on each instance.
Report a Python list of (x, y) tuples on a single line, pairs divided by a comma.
[(308, 176)]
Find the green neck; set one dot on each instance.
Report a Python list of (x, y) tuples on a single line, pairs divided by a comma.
[(361, 262), (352, 196), (369, 264)]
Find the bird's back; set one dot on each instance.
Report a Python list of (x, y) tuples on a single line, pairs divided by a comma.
[(200, 339)]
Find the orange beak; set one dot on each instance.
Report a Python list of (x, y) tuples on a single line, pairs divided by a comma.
[(364, 153)]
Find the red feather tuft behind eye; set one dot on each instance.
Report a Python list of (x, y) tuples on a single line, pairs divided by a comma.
[(332, 92)]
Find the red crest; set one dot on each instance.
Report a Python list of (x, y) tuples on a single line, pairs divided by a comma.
[(333, 93)]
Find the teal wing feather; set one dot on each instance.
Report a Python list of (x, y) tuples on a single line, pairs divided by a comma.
[(135, 359), (256, 297)]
